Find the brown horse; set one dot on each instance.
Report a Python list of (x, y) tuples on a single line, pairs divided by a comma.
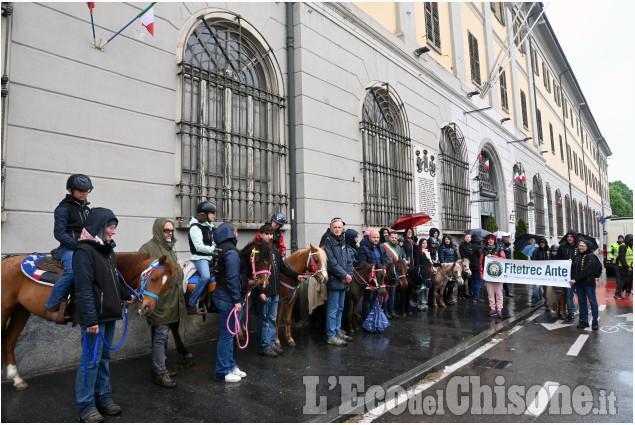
[(441, 277), (22, 297), (309, 260), (366, 277), (396, 272)]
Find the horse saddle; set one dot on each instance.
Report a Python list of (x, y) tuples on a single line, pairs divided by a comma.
[(42, 269)]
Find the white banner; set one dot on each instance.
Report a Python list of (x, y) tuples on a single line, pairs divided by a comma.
[(549, 273)]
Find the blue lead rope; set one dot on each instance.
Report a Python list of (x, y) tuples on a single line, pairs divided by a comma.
[(87, 343)]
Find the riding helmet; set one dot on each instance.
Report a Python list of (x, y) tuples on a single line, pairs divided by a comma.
[(79, 182), (555, 247), (433, 240), (206, 206), (279, 218)]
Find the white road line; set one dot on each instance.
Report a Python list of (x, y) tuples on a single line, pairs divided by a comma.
[(577, 345), (602, 307), (538, 405), (384, 407)]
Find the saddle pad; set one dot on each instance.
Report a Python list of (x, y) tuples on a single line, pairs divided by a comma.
[(193, 280), (36, 274)]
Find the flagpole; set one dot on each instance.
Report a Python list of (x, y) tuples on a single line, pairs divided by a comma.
[(128, 24), (92, 23)]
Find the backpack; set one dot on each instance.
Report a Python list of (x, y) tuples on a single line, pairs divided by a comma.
[(597, 268)]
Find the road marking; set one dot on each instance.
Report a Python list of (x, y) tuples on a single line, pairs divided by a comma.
[(384, 407), (629, 316), (538, 405), (577, 345), (556, 325), (602, 307)]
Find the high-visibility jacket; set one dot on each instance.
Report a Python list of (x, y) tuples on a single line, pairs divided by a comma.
[(629, 256), (613, 251)]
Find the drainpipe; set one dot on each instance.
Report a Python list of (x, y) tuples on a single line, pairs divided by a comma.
[(569, 157), (7, 12), (291, 120)]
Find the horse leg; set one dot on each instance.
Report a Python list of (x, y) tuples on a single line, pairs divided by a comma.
[(180, 347), (289, 312), (433, 292), (19, 317)]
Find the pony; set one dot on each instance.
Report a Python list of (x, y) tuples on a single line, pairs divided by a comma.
[(366, 277), (396, 273), (418, 277), (22, 297), (557, 300), (310, 260), (441, 277), (257, 257)]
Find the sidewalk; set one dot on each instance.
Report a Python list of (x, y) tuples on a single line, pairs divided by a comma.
[(274, 390)]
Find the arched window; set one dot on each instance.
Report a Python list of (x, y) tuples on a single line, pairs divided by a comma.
[(455, 193), (387, 151), (520, 193), (552, 230), (559, 217), (539, 201), (567, 212), (233, 152)]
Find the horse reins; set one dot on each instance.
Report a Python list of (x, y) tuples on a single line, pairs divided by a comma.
[(372, 277), (144, 278)]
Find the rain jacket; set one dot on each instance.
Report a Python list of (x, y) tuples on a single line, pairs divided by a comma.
[(197, 239), (369, 253), (388, 257), (583, 267), (568, 251), (98, 288), (171, 305), (230, 270), (70, 216), (351, 245), (338, 263), (447, 254)]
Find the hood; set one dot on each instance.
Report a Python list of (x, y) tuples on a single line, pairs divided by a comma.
[(381, 234), (350, 236), (433, 230), (628, 239), (572, 233), (223, 233), (545, 241), (95, 223), (159, 236), (476, 239)]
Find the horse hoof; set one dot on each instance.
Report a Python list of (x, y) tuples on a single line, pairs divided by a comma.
[(21, 386), (291, 343)]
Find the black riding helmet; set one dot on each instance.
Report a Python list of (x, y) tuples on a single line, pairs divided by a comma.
[(554, 247), (79, 182), (206, 207)]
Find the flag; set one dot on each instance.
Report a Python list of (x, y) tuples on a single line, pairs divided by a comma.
[(597, 217), (480, 159), (147, 20), (602, 220), (91, 6), (559, 201), (523, 177), (516, 176), (486, 164)]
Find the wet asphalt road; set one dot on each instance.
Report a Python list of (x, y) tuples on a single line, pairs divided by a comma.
[(274, 390)]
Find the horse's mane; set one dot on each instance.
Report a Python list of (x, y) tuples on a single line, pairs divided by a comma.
[(263, 248), (128, 259)]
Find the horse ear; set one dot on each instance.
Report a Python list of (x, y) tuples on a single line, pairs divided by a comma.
[(311, 247), (162, 259)]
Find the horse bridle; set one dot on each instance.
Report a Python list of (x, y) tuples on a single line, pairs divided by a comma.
[(396, 276), (372, 277), (311, 261), (144, 278), (252, 259)]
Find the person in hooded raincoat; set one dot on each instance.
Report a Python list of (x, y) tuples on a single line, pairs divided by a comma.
[(568, 251)]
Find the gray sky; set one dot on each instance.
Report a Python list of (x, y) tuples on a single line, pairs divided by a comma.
[(598, 38)]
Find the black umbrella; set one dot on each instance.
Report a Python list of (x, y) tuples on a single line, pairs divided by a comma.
[(523, 240), (478, 232), (594, 243)]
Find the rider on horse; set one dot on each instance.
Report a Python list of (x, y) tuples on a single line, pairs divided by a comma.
[(277, 221)]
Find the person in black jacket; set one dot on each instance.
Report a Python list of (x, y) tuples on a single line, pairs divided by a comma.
[(70, 216), (476, 249), (568, 251), (506, 246), (540, 254), (583, 280), (99, 293), (268, 297), (464, 252)]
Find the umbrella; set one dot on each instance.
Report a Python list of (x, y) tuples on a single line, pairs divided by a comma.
[(523, 240), (478, 232), (500, 234), (411, 220), (594, 243), (529, 249)]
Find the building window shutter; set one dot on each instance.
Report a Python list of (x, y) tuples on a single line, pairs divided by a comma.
[(503, 88), (433, 33), (474, 63), (523, 107)]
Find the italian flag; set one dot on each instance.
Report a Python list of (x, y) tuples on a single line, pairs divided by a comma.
[(516, 176), (523, 177), (486, 163), (147, 19)]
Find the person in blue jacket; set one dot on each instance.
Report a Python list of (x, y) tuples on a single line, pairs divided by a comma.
[(447, 254), (99, 293)]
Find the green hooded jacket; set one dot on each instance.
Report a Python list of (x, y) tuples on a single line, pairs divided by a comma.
[(171, 305)]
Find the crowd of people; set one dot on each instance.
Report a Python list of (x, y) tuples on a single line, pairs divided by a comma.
[(87, 253)]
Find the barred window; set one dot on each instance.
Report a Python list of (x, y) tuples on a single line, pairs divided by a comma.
[(232, 150), (433, 33), (387, 166), (455, 193), (540, 207), (552, 230), (559, 217), (520, 193), (567, 211), (503, 86), (475, 67)]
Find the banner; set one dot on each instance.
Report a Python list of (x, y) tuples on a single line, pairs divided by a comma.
[(548, 273)]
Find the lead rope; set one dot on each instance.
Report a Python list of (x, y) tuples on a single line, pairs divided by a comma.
[(237, 323)]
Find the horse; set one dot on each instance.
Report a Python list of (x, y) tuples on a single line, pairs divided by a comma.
[(441, 277), (22, 297), (258, 258), (366, 277), (557, 301), (463, 282), (310, 260), (396, 273), (418, 277)]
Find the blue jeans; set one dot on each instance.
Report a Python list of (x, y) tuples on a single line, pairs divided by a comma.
[(63, 287), (389, 305), (202, 266), (225, 362), (584, 293), (477, 281), (368, 300), (535, 295), (267, 313), (334, 308), (616, 270), (505, 289), (570, 302), (97, 392)]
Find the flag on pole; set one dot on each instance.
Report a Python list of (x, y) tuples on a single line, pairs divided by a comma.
[(486, 164), (91, 6), (480, 159), (147, 20), (516, 176), (523, 177)]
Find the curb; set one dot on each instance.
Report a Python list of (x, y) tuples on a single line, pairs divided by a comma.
[(343, 412)]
